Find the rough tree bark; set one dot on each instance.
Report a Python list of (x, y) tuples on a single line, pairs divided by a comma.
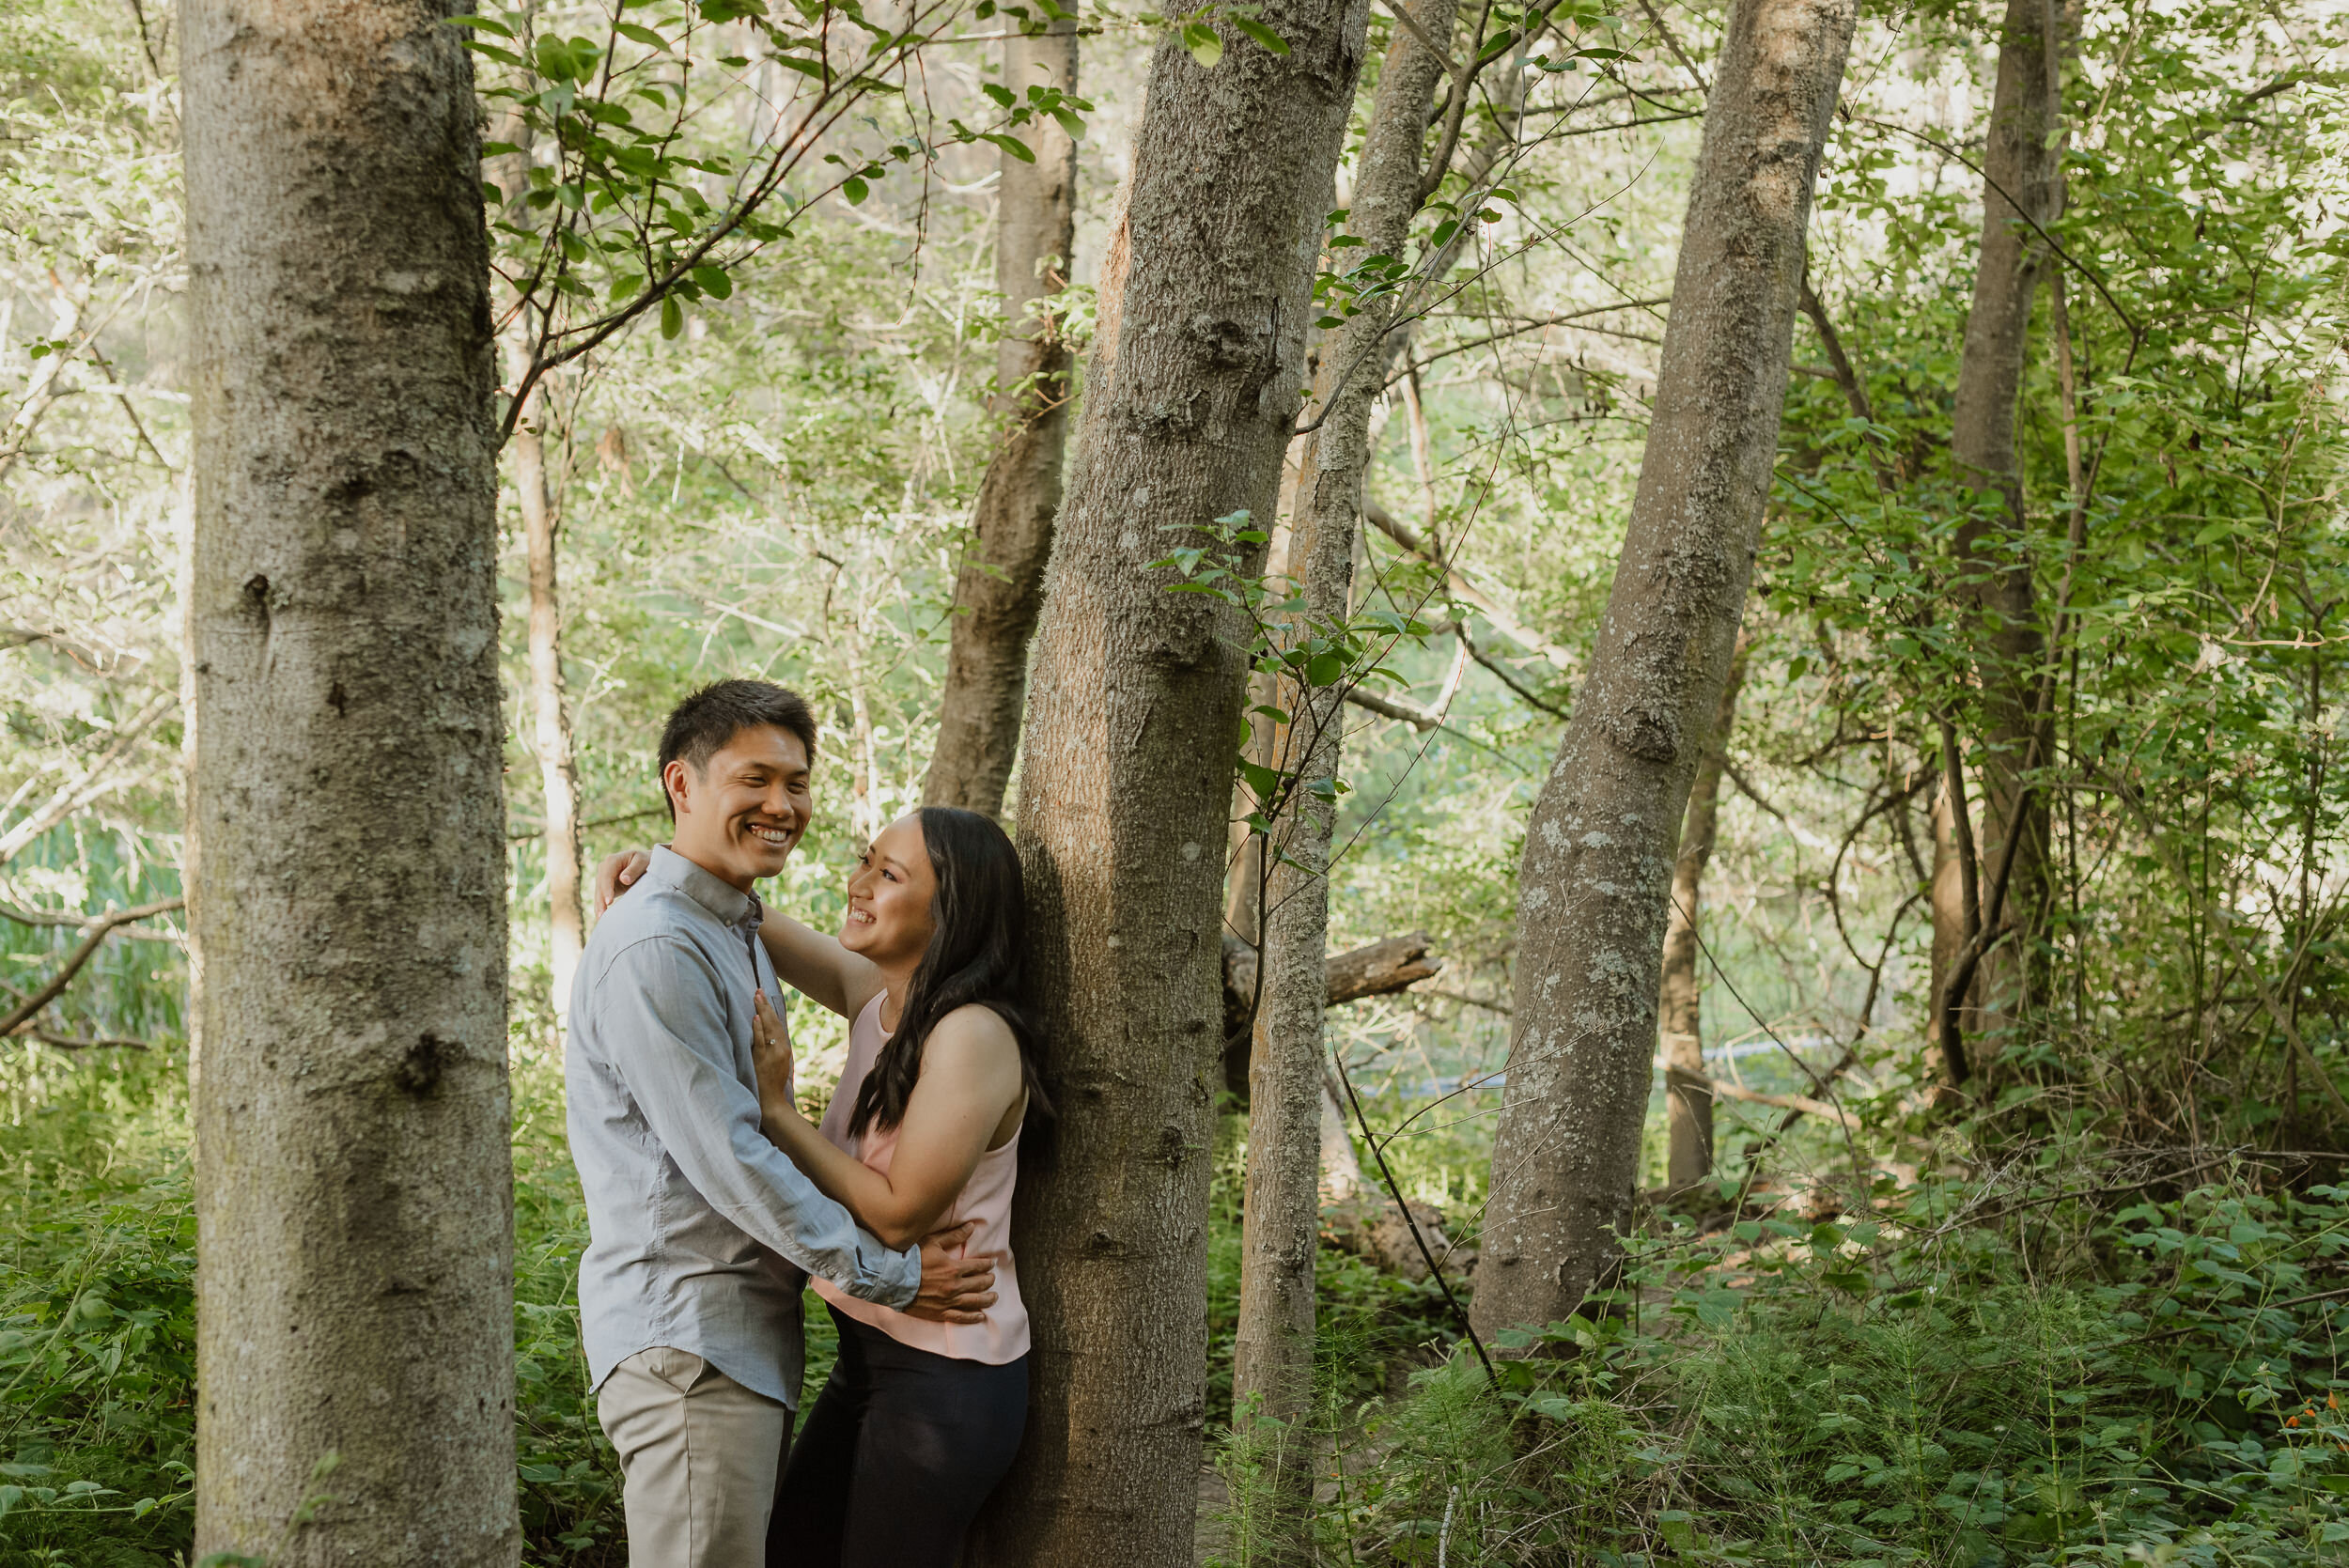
[(346, 863), (2020, 169), (1126, 782), (1000, 588), (1598, 852), (1273, 1363), (551, 719), (1688, 1088)]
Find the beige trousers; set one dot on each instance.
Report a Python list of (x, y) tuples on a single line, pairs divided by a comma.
[(699, 1455)]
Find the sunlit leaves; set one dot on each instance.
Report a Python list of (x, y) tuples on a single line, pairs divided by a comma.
[(604, 188)]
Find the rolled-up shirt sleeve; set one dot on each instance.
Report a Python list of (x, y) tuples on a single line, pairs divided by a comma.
[(662, 997)]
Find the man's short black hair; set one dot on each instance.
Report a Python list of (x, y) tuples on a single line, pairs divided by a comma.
[(701, 725)]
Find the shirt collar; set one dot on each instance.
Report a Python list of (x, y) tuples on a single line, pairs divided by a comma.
[(731, 906)]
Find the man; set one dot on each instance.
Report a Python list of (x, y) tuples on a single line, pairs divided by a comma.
[(690, 1289)]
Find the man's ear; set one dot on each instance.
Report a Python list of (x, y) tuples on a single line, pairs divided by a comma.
[(674, 779)]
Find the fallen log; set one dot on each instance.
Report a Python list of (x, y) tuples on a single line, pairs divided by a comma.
[(1379, 969), (1369, 1227)]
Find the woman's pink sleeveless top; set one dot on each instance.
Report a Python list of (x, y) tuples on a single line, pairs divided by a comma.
[(986, 1197)]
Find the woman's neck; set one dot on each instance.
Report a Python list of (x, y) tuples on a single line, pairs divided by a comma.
[(893, 1008)]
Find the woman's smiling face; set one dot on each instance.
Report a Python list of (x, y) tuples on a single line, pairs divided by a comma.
[(891, 897)]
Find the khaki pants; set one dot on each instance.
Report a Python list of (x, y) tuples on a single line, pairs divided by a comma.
[(699, 1454)]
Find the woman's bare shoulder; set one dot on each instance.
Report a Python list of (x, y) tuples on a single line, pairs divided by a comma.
[(973, 1028)]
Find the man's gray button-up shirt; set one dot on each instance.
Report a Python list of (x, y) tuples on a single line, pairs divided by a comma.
[(695, 1221)]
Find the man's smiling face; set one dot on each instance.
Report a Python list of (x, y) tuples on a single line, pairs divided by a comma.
[(741, 813)]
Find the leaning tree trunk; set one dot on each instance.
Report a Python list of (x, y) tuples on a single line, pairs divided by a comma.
[(1688, 1088), (1000, 588), (1598, 853), (558, 768), (2020, 171), (346, 855), (1272, 1364), (1128, 775)]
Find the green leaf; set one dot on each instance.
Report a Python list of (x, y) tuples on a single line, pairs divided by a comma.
[(714, 279), (1001, 95), (672, 316), (1204, 43), (1271, 40), (1070, 122), (1262, 782), (488, 24), (1325, 669), (644, 36), (855, 190), (1013, 147)]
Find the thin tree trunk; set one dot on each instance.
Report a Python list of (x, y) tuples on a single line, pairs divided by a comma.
[(1598, 852), (1273, 1363), (1000, 589), (346, 856), (558, 769), (2020, 168), (1128, 779), (1956, 900), (1340, 1168), (1689, 1089)]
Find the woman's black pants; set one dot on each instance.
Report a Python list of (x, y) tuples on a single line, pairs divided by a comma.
[(896, 1457)]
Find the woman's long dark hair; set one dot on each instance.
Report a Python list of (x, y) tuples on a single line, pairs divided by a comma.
[(973, 957)]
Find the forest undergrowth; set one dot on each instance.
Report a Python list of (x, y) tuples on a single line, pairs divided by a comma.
[(2061, 1352)]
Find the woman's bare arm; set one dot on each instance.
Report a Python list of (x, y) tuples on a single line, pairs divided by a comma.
[(970, 1082), (811, 963), (818, 968)]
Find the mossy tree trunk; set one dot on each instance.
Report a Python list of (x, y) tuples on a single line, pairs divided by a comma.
[(1127, 779), (346, 859), (1595, 877)]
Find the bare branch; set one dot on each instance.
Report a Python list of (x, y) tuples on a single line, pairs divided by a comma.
[(96, 780), (1461, 587), (94, 934)]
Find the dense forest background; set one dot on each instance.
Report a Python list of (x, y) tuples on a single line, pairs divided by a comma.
[(2067, 1294)]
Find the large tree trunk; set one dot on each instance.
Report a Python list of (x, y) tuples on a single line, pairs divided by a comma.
[(346, 856), (1127, 778), (1688, 1088), (1000, 588), (1598, 853), (2020, 169), (1272, 1365), (558, 769)]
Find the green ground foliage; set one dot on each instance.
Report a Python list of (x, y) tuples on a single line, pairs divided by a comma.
[(2073, 1356)]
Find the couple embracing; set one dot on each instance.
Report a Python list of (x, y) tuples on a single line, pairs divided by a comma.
[(710, 1195)]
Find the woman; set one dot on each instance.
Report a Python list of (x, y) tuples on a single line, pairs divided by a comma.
[(919, 1419)]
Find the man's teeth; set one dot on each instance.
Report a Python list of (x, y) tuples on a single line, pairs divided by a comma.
[(770, 835)]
